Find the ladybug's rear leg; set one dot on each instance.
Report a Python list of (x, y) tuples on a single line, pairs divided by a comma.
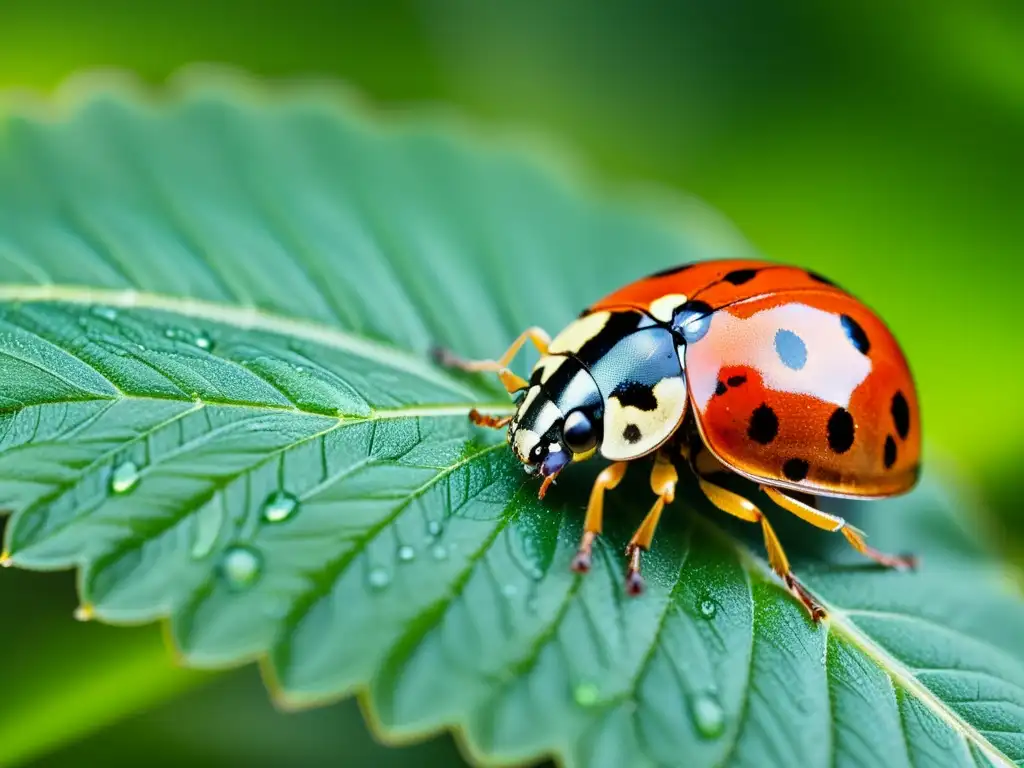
[(610, 477), (834, 523), (512, 382), (663, 482), (736, 505)]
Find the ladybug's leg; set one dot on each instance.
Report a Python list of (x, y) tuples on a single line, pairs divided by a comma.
[(610, 477), (486, 420), (512, 382), (663, 482), (833, 523), (736, 505)]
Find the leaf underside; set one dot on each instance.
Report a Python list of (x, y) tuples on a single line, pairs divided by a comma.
[(215, 318)]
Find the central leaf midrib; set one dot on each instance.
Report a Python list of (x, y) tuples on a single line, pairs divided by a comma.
[(246, 318), (898, 673)]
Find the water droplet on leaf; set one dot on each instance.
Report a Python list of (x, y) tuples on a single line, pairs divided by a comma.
[(708, 608), (379, 578), (509, 590), (84, 612), (124, 477), (434, 528), (204, 342), (439, 552), (208, 523), (708, 716), (586, 694), (406, 553), (107, 313), (241, 566), (6, 561), (279, 507)]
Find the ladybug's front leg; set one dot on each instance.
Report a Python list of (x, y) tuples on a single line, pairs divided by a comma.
[(512, 382), (663, 482), (610, 477)]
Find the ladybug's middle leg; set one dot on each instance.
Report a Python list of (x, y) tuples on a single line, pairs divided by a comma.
[(828, 522), (744, 509), (663, 482)]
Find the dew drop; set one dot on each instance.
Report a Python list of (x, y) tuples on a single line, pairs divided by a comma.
[(536, 574), (434, 528), (6, 561), (509, 590), (170, 333), (586, 694), (439, 552), (208, 523), (204, 342), (406, 553), (379, 578), (241, 566), (107, 313), (708, 716), (84, 612), (124, 477), (279, 507), (708, 608)]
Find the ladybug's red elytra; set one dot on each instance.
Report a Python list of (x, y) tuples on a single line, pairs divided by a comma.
[(765, 370)]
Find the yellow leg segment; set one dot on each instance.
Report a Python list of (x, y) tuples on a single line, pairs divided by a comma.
[(512, 382), (744, 509), (834, 523), (663, 482), (610, 477), (486, 420)]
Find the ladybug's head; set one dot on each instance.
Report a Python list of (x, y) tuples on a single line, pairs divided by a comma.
[(558, 418)]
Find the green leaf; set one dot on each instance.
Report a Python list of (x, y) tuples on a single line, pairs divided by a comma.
[(215, 321)]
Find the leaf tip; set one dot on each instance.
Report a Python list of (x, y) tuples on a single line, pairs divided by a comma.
[(85, 612)]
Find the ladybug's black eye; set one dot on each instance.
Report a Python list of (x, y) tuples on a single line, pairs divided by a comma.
[(578, 433)]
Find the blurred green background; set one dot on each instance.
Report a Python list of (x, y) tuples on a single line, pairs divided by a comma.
[(879, 143)]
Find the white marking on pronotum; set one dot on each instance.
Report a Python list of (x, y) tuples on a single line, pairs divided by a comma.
[(578, 333), (664, 307)]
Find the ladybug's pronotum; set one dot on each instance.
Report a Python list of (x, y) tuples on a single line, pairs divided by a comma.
[(765, 370)]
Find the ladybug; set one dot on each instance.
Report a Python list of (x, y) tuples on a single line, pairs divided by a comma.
[(768, 371)]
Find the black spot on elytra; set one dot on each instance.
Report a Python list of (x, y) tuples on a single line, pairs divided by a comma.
[(795, 470), (631, 434), (673, 270), (890, 452), (840, 430), (720, 388), (855, 334), (901, 415), (764, 425), (740, 276), (636, 394), (820, 278), (735, 381)]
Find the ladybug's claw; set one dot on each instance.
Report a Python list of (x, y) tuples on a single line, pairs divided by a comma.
[(582, 561), (634, 581), (815, 608)]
